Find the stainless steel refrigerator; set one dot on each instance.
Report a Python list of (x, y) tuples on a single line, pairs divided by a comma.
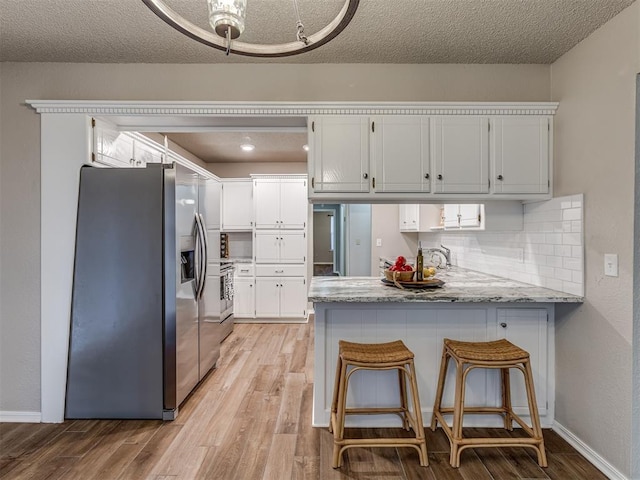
[(145, 317)]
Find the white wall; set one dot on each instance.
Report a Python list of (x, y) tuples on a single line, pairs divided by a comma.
[(594, 154)]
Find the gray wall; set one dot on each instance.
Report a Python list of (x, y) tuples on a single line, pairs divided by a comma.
[(20, 149), (594, 154)]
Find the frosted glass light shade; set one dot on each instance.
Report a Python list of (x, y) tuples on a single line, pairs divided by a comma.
[(227, 14)]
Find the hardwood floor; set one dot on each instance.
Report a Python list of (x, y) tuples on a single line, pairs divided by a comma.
[(250, 419)]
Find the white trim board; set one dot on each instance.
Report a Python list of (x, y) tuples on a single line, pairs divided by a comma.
[(20, 417), (279, 109), (590, 454)]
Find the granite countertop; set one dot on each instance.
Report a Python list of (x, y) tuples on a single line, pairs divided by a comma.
[(239, 260), (461, 285)]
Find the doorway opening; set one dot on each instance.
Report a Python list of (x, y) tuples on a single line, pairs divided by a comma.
[(342, 240)]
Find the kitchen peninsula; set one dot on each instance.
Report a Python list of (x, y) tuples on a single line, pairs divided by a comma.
[(470, 306)]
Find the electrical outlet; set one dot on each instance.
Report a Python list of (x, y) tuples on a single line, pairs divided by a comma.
[(611, 264), (378, 242)]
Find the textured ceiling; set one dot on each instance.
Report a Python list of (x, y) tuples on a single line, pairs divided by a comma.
[(224, 147), (382, 31)]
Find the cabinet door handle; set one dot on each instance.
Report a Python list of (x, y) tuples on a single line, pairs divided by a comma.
[(365, 175), (373, 180), (439, 177), (500, 177), (373, 126), (503, 325), (313, 183), (426, 175)]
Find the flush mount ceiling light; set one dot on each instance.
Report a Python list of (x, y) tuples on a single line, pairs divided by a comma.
[(227, 20)]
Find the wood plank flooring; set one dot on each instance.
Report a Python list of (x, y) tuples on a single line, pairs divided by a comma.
[(250, 419)]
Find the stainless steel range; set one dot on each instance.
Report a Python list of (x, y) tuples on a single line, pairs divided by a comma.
[(226, 298)]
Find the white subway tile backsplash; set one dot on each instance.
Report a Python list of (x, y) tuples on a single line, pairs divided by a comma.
[(562, 250), (572, 214), (573, 288), (563, 274), (577, 276), (571, 239), (572, 263), (554, 238), (554, 261), (548, 252), (546, 249)]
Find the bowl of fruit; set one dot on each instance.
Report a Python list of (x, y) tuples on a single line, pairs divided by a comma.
[(400, 271)]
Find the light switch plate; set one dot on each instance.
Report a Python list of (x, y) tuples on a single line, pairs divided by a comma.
[(611, 264), (378, 242)]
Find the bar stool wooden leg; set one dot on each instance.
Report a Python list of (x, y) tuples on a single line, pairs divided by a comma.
[(458, 413), (506, 398), (533, 411), (403, 398), (444, 362), (334, 401), (338, 432), (419, 426)]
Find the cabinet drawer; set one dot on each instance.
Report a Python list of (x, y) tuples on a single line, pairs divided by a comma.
[(245, 269), (280, 271)]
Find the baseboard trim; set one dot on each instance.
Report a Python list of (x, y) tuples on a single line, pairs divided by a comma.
[(590, 454), (20, 417)]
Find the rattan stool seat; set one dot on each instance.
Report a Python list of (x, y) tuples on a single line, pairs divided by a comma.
[(503, 356), (495, 351), (391, 352), (353, 357)]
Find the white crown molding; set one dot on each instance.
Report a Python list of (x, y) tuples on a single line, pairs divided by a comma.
[(116, 107)]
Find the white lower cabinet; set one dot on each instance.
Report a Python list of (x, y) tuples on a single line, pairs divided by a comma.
[(423, 327), (284, 297), (527, 328), (244, 297)]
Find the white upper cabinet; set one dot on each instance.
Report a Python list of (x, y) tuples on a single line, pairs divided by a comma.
[(112, 147), (409, 217), (146, 151), (339, 146), (293, 203), (400, 153), (237, 205), (280, 203), (461, 154), (520, 154), (462, 215)]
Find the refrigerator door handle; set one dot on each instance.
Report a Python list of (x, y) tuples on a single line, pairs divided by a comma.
[(200, 254), (205, 254)]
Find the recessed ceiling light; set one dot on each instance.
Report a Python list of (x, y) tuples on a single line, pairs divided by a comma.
[(305, 147), (246, 144)]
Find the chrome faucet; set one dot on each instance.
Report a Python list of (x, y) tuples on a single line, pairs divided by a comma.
[(444, 251)]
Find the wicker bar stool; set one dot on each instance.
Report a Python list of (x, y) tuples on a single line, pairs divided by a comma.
[(500, 354), (376, 356)]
